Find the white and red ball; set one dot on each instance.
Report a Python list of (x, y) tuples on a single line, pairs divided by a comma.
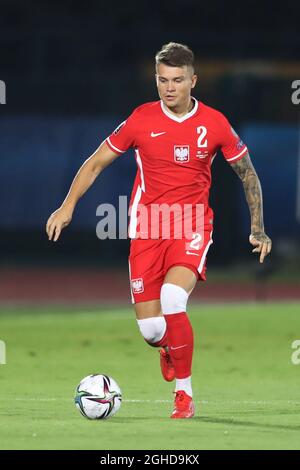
[(98, 397)]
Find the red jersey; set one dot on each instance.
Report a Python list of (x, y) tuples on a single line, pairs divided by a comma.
[(174, 157)]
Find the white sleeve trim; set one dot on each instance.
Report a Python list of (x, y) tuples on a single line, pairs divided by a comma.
[(237, 156), (115, 148)]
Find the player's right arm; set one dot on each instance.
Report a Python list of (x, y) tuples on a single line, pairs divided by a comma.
[(85, 177)]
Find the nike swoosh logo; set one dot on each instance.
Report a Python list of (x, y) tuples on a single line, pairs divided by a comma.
[(190, 253), (153, 134), (178, 347)]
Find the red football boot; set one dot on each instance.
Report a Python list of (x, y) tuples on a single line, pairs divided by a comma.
[(183, 406), (166, 365)]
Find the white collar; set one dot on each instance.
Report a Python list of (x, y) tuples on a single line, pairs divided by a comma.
[(182, 118)]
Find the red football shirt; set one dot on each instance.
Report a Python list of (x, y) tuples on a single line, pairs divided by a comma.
[(174, 157)]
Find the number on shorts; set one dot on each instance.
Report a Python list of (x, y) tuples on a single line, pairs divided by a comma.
[(195, 243)]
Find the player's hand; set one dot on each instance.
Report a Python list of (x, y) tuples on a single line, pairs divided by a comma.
[(57, 221), (262, 243)]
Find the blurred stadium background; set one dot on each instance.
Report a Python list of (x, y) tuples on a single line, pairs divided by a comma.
[(73, 71)]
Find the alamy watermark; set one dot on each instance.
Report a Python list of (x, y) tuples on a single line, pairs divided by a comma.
[(296, 94), (2, 352), (296, 354), (2, 92), (152, 221)]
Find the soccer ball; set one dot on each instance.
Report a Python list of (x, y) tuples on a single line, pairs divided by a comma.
[(98, 397)]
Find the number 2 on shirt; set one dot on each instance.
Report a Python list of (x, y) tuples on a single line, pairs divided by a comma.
[(202, 131)]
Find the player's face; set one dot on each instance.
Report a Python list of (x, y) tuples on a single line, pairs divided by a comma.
[(174, 85)]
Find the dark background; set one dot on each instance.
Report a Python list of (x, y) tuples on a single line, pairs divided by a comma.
[(74, 70)]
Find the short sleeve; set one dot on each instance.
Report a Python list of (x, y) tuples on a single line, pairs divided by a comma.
[(122, 137), (233, 148)]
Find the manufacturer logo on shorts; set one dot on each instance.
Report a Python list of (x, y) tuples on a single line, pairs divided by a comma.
[(181, 153), (137, 286)]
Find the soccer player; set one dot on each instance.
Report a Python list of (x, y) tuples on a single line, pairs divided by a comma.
[(175, 140)]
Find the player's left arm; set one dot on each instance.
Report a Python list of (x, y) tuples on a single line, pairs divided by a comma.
[(258, 238)]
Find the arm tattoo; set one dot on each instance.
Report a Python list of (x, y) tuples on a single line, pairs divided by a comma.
[(245, 170)]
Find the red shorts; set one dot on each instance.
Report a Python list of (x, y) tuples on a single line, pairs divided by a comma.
[(150, 260)]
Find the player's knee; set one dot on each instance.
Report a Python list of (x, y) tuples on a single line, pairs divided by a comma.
[(173, 299), (152, 329)]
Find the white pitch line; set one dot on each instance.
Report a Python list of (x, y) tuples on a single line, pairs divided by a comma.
[(203, 402)]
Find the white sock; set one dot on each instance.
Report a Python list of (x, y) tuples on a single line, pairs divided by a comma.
[(185, 385)]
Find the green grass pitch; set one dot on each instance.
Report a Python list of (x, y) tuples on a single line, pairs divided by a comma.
[(246, 387)]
